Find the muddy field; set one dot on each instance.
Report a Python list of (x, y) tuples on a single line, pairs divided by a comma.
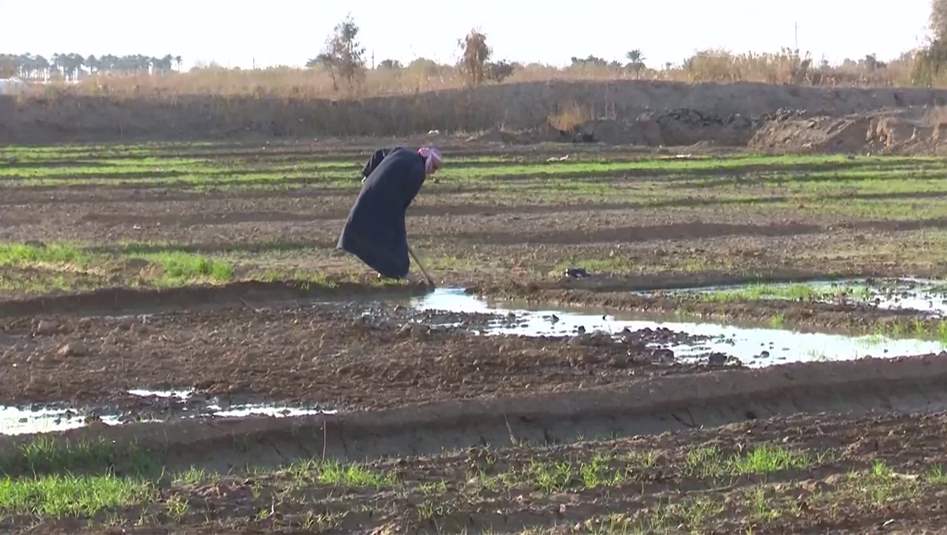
[(753, 343), (800, 474)]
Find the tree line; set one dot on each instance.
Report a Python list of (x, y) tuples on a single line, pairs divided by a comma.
[(344, 58), (75, 66)]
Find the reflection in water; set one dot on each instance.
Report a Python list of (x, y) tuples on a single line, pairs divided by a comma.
[(755, 347)]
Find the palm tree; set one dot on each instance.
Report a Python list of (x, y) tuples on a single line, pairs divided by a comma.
[(41, 67), (57, 63), (77, 62), (23, 65), (163, 65), (635, 61), (108, 63), (144, 63), (92, 63), (177, 59)]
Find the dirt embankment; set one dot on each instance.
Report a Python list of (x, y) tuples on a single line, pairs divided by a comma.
[(723, 110), (908, 130)]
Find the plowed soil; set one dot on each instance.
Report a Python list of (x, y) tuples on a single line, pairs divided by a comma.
[(288, 319)]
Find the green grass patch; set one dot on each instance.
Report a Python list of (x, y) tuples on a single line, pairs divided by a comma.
[(46, 282), (761, 507), (778, 321), (61, 496), (44, 268), (789, 292), (684, 516), (929, 330), (44, 455), (877, 487), (177, 507), (551, 477), (711, 463), (941, 332), (333, 473), (598, 473), (937, 475), (182, 268), (20, 254), (352, 475), (767, 459), (192, 476), (705, 462), (204, 168), (433, 488)]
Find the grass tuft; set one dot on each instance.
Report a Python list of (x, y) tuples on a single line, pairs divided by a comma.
[(761, 506), (20, 254), (192, 476), (61, 496), (182, 268), (44, 455), (339, 475), (551, 477), (769, 459), (937, 475), (711, 463), (353, 475)]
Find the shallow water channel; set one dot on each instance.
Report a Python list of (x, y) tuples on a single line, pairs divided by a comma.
[(48, 418), (753, 346)]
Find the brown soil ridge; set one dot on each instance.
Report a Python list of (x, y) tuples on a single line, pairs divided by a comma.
[(127, 300), (515, 106), (656, 405)]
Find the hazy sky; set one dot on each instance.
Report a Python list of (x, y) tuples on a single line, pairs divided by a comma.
[(237, 32)]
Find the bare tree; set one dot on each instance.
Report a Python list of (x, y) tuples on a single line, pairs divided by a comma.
[(343, 56), (930, 61), (476, 54)]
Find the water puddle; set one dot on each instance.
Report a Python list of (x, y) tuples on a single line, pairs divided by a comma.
[(16, 421), (689, 342), (174, 405), (754, 347), (252, 409), (164, 394)]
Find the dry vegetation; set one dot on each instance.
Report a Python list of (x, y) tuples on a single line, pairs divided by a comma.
[(341, 72), (424, 75)]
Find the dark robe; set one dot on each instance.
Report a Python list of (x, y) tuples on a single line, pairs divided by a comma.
[(375, 230)]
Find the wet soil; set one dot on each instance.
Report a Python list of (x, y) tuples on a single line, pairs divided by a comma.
[(848, 475), (271, 343), (635, 296), (341, 356)]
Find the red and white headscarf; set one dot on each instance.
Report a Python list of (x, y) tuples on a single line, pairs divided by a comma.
[(432, 159)]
